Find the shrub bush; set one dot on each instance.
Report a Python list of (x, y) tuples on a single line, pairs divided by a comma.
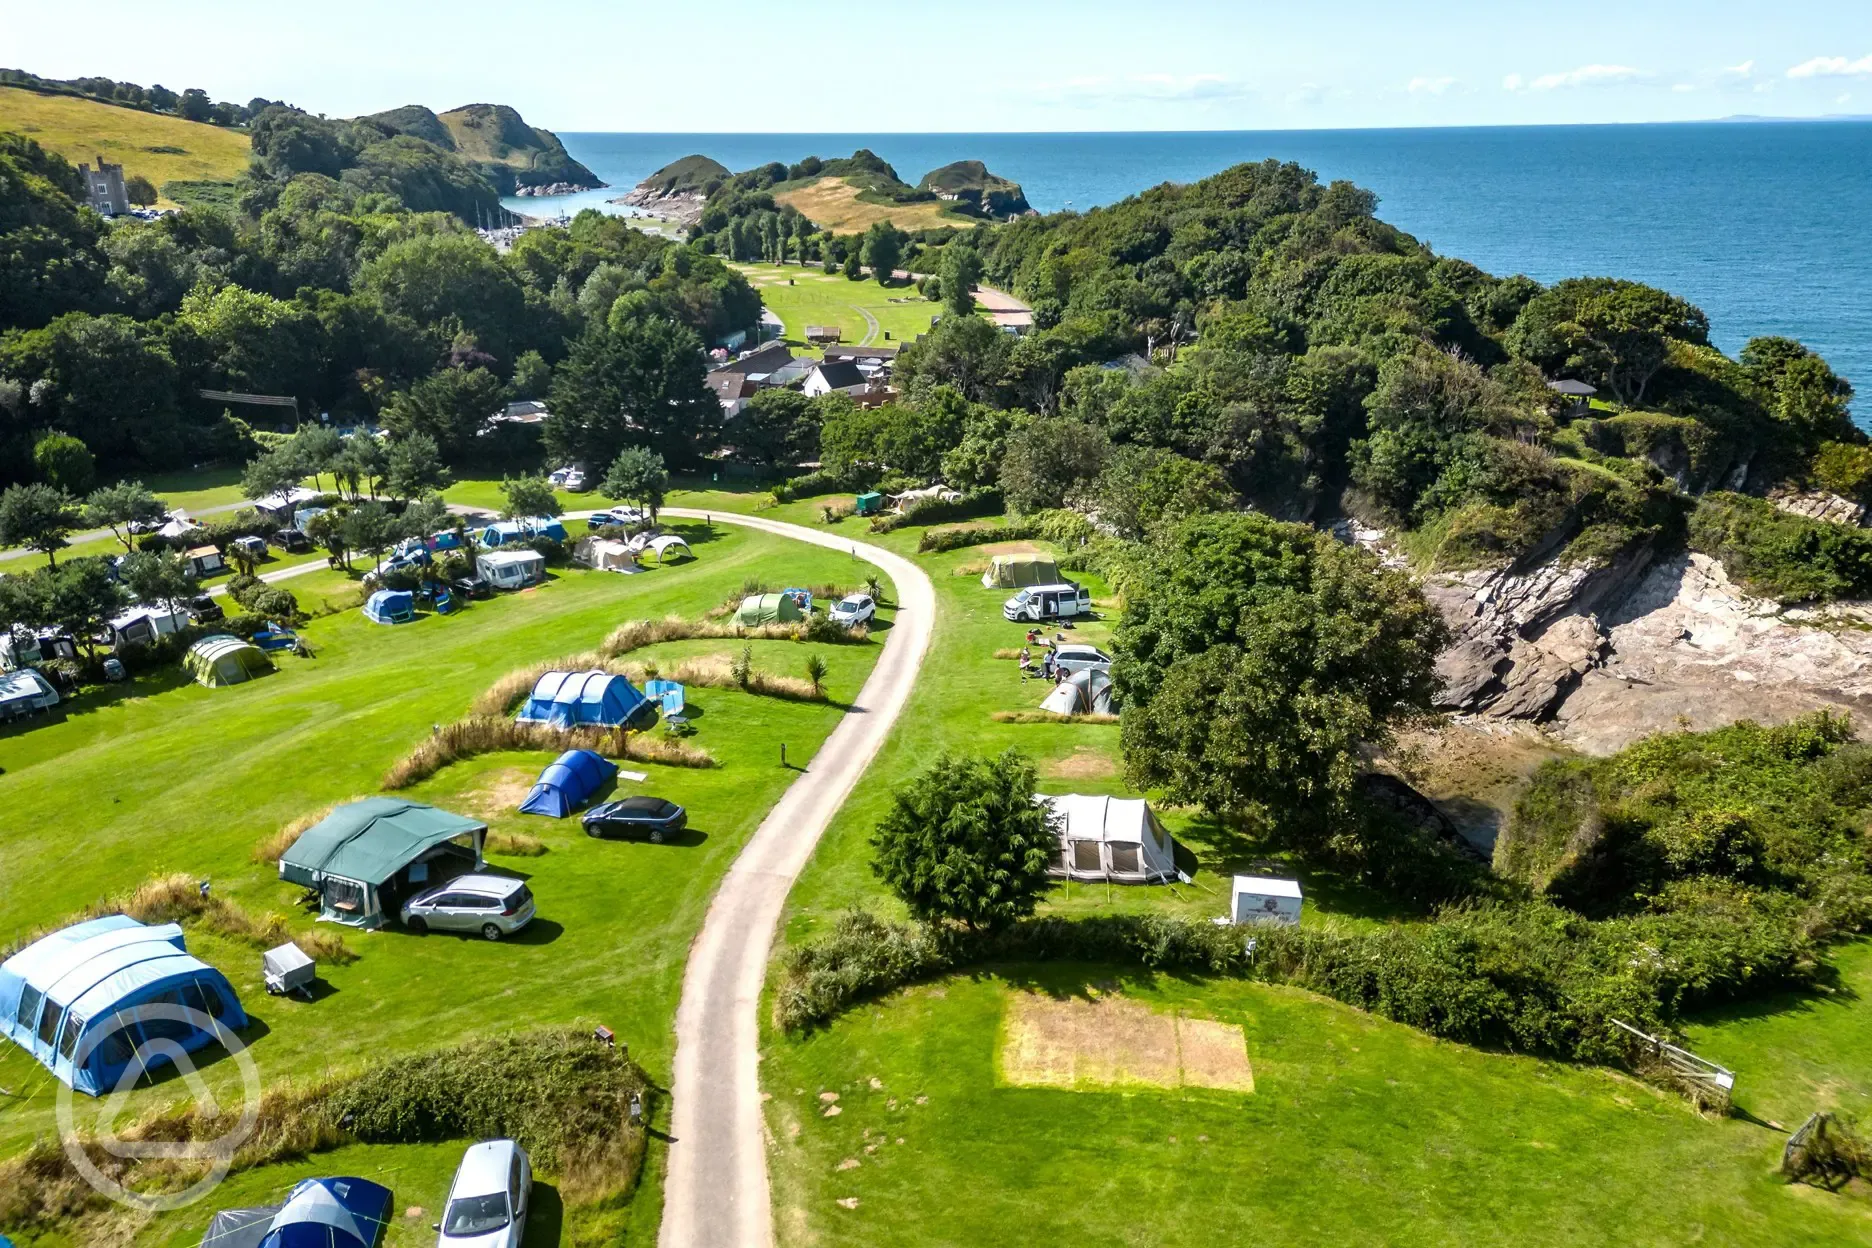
[(277, 604), (1780, 555), (974, 504)]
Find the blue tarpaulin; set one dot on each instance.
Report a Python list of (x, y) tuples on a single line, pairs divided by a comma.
[(391, 606), (317, 1213), (579, 699), (567, 783), (62, 997), (666, 693)]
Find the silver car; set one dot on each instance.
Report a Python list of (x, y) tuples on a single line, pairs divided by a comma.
[(492, 905), (487, 1204)]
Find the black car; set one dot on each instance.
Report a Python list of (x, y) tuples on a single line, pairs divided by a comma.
[(647, 818), (472, 587), (292, 541), (205, 610)]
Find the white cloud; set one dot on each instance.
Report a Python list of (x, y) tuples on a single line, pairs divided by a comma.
[(1683, 88), (1744, 70), (1832, 67), (1587, 76), (1430, 86), (1153, 88), (1511, 83)]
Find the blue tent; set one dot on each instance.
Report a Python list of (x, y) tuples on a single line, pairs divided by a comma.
[(63, 997), (579, 699), (667, 693), (391, 606), (317, 1213), (565, 785)]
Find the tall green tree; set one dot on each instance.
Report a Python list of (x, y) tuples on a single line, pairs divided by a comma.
[(37, 517), (158, 577), (961, 270), (964, 841), (414, 467), (449, 406), (369, 529), (1051, 459), (82, 597), (117, 507), (639, 383), (883, 251), (317, 449), (526, 497), (638, 476), (1255, 661)]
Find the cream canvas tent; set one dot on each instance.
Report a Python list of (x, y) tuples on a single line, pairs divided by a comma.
[(224, 660), (660, 545), (1018, 571), (1111, 838), (604, 555)]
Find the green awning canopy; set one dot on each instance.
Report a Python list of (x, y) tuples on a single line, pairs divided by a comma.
[(370, 841)]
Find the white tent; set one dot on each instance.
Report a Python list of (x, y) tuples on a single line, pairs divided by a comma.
[(1111, 838), (605, 554), (24, 692), (1082, 693), (1264, 899), (660, 545)]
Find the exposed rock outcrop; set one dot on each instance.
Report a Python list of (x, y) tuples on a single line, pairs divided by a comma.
[(678, 191), (1821, 505)]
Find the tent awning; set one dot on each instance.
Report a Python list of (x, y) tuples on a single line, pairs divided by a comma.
[(370, 841)]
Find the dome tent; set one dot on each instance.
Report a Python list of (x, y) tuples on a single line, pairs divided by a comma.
[(767, 609), (222, 659), (391, 606), (317, 1213), (64, 1000), (581, 699), (567, 782)]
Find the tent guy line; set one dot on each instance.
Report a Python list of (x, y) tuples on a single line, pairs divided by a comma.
[(716, 1191)]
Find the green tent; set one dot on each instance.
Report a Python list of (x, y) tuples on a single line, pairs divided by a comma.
[(1017, 571), (767, 609), (366, 857), (224, 660)]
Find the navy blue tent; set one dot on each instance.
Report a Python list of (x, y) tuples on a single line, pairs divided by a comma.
[(565, 785), (109, 997), (317, 1213), (579, 699)]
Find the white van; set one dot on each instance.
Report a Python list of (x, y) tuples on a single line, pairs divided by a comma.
[(1048, 602)]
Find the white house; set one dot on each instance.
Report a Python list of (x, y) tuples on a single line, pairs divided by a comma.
[(836, 376)]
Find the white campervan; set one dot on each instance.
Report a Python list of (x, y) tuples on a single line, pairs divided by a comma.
[(1048, 602)]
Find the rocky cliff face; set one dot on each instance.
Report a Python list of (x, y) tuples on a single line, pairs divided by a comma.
[(1605, 654)]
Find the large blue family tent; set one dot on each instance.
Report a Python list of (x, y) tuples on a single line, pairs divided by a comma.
[(581, 699), (317, 1213), (567, 783), (391, 606), (88, 1000)]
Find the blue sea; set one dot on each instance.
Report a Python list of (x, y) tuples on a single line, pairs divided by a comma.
[(1763, 225)]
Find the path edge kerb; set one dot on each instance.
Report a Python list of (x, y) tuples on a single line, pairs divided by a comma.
[(716, 1189)]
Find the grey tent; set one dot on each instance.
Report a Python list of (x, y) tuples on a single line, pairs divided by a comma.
[(1083, 693), (366, 857)]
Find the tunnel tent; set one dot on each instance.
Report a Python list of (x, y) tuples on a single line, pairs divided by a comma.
[(367, 856), (581, 699), (1083, 693), (222, 659), (767, 609), (1019, 571), (97, 1000), (391, 606), (1111, 838), (317, 1213), (567, 783)]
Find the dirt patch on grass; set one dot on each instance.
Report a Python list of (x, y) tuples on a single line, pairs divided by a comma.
[(1084, 763), (1109, 1042), (500, 792), (1012, 548)]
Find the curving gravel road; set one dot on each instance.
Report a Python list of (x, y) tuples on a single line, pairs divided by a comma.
[(716, 1191)]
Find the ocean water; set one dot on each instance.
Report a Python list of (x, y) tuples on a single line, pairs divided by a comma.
[(1765, 226)]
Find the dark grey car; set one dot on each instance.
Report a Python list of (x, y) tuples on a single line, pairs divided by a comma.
[(639, 818)]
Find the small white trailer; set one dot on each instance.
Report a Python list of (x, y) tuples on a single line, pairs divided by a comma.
[(1264, 899)]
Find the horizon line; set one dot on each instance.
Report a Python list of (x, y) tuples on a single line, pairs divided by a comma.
[(1731, 119)]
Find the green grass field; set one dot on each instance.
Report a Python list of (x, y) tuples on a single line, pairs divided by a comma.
[(160, 776), (810, 296), (838, 205), (161, 148)]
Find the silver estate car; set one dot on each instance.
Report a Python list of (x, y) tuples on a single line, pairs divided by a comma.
[(487, 1204), (492, 905)]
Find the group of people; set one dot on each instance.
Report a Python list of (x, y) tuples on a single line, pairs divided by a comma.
[(1049, 666)]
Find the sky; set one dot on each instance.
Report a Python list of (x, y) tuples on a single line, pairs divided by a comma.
[(966, 66)]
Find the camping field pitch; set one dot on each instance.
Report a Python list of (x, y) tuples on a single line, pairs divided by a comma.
[(161, 148), (163, 776), (1358, 1130), (863, 310)]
